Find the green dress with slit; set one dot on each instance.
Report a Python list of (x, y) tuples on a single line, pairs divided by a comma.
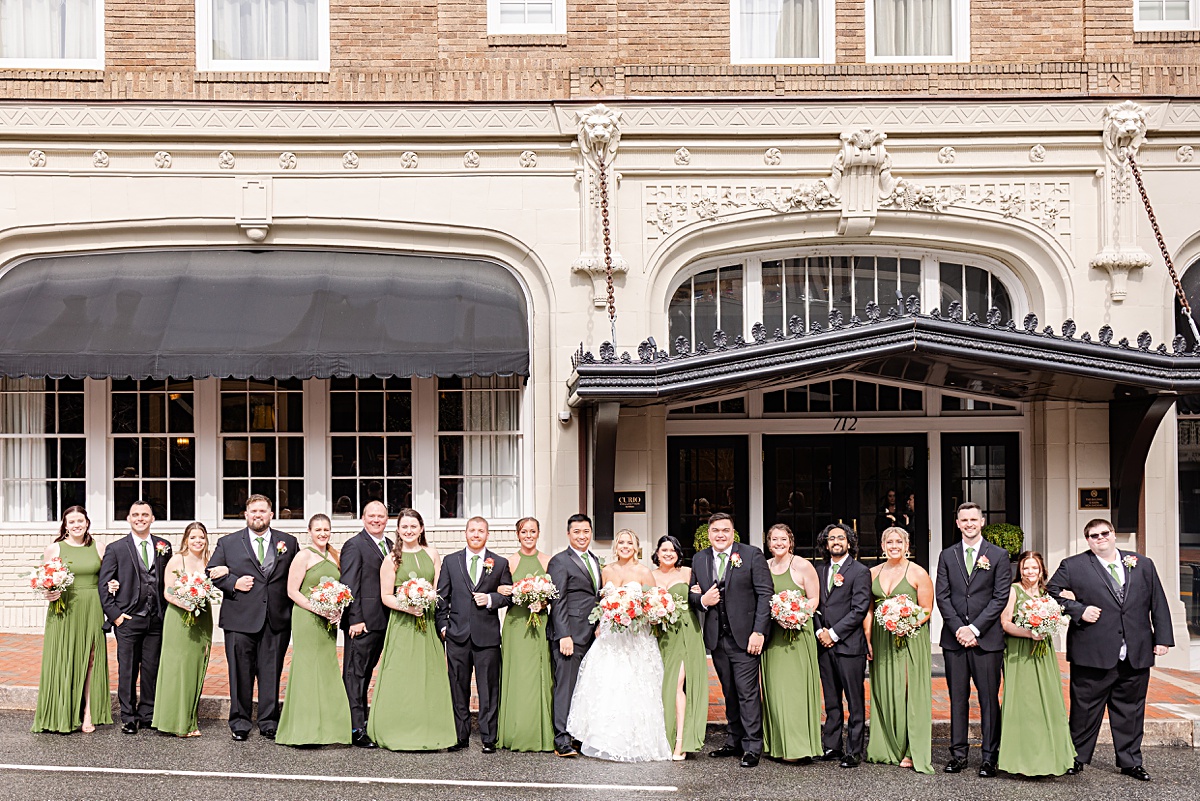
[(526, 676), (181, 669), (791, 687), (70, 641), (682, 645)]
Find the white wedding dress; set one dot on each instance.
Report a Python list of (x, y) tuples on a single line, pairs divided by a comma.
[(617, 709)]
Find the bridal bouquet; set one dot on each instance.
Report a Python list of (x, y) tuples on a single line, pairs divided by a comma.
[(534, 593), (901, 616), (418, 594), (329, 597), (620, 608), (52, 576), (1041, 615), (789, 610), (660, 607), (194, 592)]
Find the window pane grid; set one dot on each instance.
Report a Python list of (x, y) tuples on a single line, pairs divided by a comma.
[(373, 460), (60, 30), (42, 448), (154, 447), (479, 447), (843, 396), (262, 445)]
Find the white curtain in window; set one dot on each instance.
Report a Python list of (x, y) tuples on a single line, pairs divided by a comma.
[(490, 461), (772, 29), (23, 458), (264, 30), (50, 29), (913, 28)]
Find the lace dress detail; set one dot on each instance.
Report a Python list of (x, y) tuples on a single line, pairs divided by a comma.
[(617, 709)]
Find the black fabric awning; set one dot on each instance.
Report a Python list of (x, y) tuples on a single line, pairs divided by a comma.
[(266, 314)]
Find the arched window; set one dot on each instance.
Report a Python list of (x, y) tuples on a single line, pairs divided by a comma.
[(975, 288), (707, 301)]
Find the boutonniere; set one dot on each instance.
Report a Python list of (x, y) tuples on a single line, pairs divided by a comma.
[(838, 578), (983, 563), (162, 549), (735, 560), (488, 564), (281, 548), (1130, 562)]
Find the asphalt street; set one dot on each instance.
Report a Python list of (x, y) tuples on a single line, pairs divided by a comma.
[(110, 766)]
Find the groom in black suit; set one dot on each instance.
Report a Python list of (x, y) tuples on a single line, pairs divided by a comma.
[(734, 587), (135, 612), (468, 618), (842, 657), (973, 578), (576, 574), (1119, 623), (256, 615), (365, 619)]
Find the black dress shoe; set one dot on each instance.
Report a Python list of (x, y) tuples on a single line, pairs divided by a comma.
[(987, 770), (749, 760), (955, 766), (726, 751), (849, 761), (489, 748), (1136, 772), (567, 752), (269, 734), (240, 736), (802, 761), (1075, 768), (832, 755), (360, 739), (129, 728), (460, 745)]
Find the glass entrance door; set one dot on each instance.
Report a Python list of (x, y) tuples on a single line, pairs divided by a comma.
[(812, 481), (985, 469), (706, 475)]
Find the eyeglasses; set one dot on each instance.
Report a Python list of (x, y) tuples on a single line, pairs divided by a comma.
[(1098, 535)]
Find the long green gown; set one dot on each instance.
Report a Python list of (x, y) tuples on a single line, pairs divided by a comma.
[(683, 644), (791, 688), (901, 692), (412, 709), (181, 669), (526, 676), (1035, 738), (70, 641), (315, 708)]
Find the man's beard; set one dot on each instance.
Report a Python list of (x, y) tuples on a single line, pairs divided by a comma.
[(258, 529)]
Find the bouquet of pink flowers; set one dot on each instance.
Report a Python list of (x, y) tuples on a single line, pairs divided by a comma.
[(194, 592), (620, 608), (901, 617), (52, 576), (660, 607), (534, 593), (1042, 616), (329, 597), (789, 610), (418, 594)]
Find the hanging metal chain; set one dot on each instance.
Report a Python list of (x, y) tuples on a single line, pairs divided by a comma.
[(1162, 246), (608, 262)]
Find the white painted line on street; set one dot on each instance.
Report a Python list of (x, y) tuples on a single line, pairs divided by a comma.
[(204, 774)]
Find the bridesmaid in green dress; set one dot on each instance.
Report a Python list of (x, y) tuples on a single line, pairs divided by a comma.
[(73, 692), (526, 676), (185, 649), (685, 666), (901, 678), (790, 676), (1035, 738), (412, 709), (316, 710)]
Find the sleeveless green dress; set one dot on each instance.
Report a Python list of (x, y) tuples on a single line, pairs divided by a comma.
[(70, 641), (315, 708), (412, 709), (181, 669), (1035, 738), (901, 692), (683, 644), (791, 680), (526, 677)]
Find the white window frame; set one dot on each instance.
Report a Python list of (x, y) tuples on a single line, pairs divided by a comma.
[(1189, 24), (206, 63), (826, 50), (96, 63), (558, 25), (960, 38)]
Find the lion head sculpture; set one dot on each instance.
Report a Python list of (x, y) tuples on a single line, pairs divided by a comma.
[(1124, 130), (599, 133)]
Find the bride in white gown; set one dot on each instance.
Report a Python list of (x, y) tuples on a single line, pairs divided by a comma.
[(617, 709)]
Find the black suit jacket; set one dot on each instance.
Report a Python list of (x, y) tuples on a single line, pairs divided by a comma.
[(976, 600), (120, 562), (746, 594), (1141, 620), (843, 609), (457, 613), (361, 560), (577, 597), (267, 602)]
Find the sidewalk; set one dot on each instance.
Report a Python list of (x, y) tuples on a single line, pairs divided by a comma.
[(1172, 708)]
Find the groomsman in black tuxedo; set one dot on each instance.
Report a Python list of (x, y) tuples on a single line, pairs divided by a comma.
[(973, 578), (365, 619), (734, 588), (256, 615), (842, 657), (576, 574), (1119, 623), (135, 612), (468, 617)]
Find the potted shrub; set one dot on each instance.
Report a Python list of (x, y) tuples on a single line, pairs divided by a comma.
[(700, 540), (1009, 537)]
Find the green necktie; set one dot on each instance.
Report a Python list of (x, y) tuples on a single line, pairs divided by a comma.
[(721, 567), (970, 561), (383, 547), (262, 549), (591, 568), (475, 569), (146, 554), (833, 574), (1116, 575)]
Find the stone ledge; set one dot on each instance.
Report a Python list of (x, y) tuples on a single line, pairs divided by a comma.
[(527, 40)]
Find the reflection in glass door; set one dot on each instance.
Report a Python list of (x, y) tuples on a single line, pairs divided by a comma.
[(706, 475), (984, 469)]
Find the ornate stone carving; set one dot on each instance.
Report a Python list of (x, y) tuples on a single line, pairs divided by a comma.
[(409, 160), (1124, 131), (100, 159), (946, 155), (37, 158), (683, 157), (1037, 154), (773, 157), (471, 159), (349, 160), (1123, 134), (162, 160), (598, 137), (1118, 266), (226, 160), (255, 217), (287, 161), (527, 159), (1185, 154), (599, 133)]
